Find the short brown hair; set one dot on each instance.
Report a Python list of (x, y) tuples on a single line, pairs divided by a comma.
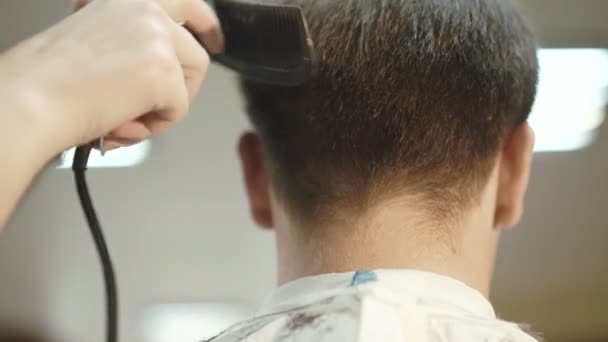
[(410, 95)]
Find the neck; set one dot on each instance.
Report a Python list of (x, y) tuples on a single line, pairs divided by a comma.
[(395, 237)]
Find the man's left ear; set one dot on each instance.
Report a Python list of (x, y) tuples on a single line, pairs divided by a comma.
[(514, 174), (256, 180)]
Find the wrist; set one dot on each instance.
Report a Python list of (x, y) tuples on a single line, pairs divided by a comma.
[(28, 114)]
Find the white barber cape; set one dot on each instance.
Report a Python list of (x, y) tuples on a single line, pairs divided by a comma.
[(376, 306)]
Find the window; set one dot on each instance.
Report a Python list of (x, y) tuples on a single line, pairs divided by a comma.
[(122, 157), (571, 100)]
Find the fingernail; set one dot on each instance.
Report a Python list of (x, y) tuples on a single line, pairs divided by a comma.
[(214, 41), (111, 146)]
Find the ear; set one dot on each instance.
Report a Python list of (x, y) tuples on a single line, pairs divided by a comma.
[(513, 177), (256, 180)]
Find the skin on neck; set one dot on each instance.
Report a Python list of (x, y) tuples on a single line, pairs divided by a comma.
[(398, 233), (394, 234)]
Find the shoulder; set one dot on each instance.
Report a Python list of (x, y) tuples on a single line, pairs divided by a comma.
[(332, 319), (365, 315)]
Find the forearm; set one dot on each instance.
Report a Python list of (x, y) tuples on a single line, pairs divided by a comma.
[(62, 88), (26, 145)]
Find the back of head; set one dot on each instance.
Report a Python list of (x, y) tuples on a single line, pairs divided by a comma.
[(412, 97)]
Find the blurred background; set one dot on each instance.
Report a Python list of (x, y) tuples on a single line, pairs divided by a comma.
[(190, 261)]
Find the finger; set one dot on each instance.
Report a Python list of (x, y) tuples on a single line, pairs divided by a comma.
[(171, 100), (108, 145), (112, 144), (172, 108), (193, 59), (200, 19), (132, 130), (178, 104), (157, 122)]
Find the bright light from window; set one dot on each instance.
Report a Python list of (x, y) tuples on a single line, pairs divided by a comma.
[(122, 157), (571, 98), (190, 322)]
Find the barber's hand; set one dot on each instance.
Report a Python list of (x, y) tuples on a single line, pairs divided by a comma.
[(124, 69)]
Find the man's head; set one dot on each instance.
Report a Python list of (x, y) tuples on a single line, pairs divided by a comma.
[(419, 99)]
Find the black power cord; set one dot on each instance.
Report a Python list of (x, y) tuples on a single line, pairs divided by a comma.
[(79, 166)]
